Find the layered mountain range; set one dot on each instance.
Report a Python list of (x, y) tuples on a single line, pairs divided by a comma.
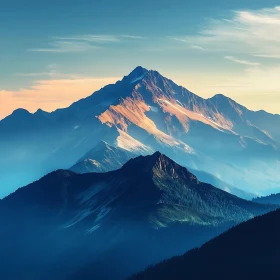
[(270, 199), (142, 113), (104, 157), (247, 251), (74, 226)]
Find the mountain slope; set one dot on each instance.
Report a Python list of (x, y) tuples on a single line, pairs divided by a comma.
[(271, 199), (214, 181), (78, 224), (102, 158), (248, 251), (146, 112)]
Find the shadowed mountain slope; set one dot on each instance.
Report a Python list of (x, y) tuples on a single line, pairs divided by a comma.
[(248, 251), (78, 224)]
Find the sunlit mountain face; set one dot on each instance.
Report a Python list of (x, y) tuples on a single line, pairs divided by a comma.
[(143, 113), (111, 225)]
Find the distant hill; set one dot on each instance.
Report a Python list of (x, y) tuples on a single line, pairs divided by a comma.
[(270, 199), (213, 180)]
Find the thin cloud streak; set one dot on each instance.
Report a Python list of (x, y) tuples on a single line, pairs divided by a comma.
[(239, 61), (244, 32), (65, 47), (90, 38), (82, 43), (267, 55), (198, 48)]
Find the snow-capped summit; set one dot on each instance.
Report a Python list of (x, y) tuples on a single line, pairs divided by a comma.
[(142, 113)]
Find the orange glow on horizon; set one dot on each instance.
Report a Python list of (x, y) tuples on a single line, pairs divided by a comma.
[(50, 94)]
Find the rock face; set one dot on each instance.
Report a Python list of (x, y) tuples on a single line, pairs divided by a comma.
[(142, 113), (77, 225)]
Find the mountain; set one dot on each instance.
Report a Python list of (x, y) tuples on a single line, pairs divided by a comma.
[(69, 225), (270, 199), (247, 251), (146, 112), (102, 158), (214, 181)]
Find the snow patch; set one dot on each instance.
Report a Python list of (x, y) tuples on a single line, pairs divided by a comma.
[(79, 217), (137, 79), (226, 189), (153, 109), (103, 212), (90, 193), (94, 162), (94, 228), (126, 142), (180, 103), (210, 120)]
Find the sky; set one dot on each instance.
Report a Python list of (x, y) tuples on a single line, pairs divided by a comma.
[(53, 53)]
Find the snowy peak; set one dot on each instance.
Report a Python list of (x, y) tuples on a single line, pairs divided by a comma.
[(136, 75), (146, 112)]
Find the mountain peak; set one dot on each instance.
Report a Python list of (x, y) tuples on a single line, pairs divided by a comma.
[(158, 165), (145, 162), (99, 149), (139, 70), (40, 111), (21, 112), (219, 96), (136, 75)]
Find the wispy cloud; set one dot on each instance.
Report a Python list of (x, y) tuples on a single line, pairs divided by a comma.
[(244, 62), (51, 70), (132, 37), (32, 74), (82, 43), (253, 32), (198, 48), (186, 40), (91, 38), (65, 47), (267, 55)]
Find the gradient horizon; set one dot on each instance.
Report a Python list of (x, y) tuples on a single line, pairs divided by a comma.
[(56, 53)]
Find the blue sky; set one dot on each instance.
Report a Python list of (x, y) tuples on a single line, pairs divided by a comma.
[(54, 52)]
